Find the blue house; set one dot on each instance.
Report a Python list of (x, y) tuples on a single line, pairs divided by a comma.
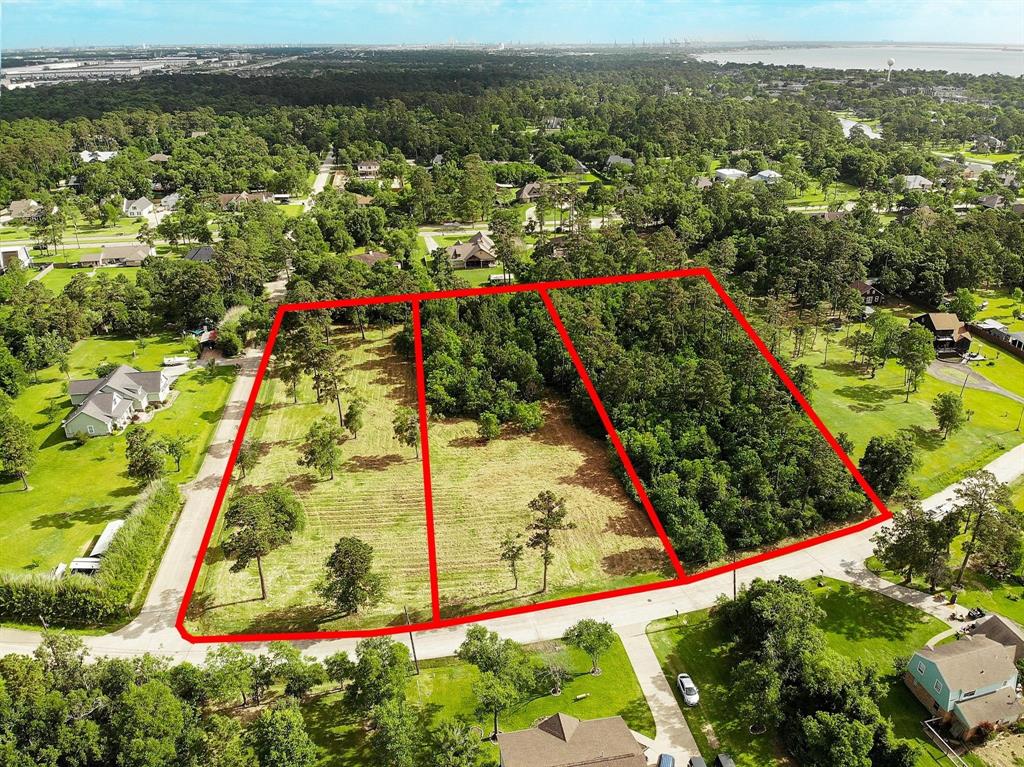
[(967, 684)]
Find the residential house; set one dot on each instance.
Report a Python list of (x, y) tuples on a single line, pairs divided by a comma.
[(159, 157), (90, 260), (88, 156), (565, 741), (438, 159), (137, 208), (703, 182), (364, 200), (767, 176), (871, 295), (397, 184), (126, 255), (578, 167), (619, 161), (203, 254), (729, 174), (531, 192), (986, 144), (1005, 632), (233, 201), (967, 683), (829, 215), (16, 254), (992, 201), (914, 181), (553, 123), (371, 257), (22, 210), (1018, 208), (104, 405), (170, 202), (368, 169), (999, 332), (476, 252), (951, 335)]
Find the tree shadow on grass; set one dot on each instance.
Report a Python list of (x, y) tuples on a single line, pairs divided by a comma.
[(62, 520), (926, 439), (634, 561), (372, 462), (56, 437), (845, 369), (867, 393), (858, 615)]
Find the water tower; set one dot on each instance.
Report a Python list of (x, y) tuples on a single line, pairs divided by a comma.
[(889, 64)]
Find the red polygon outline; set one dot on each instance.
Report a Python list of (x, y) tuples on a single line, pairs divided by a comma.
[(541, 288)]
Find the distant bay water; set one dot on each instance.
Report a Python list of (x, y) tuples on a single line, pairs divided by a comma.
[(974, 60)]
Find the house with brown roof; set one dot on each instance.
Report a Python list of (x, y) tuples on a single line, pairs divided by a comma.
[(104, 405), (159, 157), (530, 192), (565, 741), (371, 257), (233, 201), (368, 169), (20, 210), (868, 293), (951, 334), (967, 684), (991, 201), (476, 252), (126, 255)]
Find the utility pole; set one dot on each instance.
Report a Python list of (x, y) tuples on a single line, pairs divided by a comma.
[(1020, 418), (733, 554), (412, 641), (966, 379)]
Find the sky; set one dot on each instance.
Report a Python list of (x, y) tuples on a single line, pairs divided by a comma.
[(49, 23)]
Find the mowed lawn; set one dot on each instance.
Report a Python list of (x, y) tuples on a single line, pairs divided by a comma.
[(481, 492), (56, 280), (444, 690), (859, 624), (863, 407), (77, 489), (376, 495)]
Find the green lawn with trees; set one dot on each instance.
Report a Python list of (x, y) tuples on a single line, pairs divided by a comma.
[(849, 400), (363, 483), (77, 489), (856, 623)]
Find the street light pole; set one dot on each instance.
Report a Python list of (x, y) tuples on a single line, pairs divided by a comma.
[(412, 641)]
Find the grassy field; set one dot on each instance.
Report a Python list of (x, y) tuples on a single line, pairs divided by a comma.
[(481, 491), (377, 495), (76, 489), (1000, 307), (999, 366), (864, 407), (56, 279), (812, 196), (444, 690), (859, 624), (118, 229)]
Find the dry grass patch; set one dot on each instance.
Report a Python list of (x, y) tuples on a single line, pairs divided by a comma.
[(481, 491), (376, 495)]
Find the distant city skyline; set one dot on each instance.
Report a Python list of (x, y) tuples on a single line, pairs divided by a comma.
[(63, 23)]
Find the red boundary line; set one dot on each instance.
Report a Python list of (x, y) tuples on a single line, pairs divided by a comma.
[(612, 434), (542, 288), (428, 488)]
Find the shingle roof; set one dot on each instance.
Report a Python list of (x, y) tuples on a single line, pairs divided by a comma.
[(1003, 630), (562, 740), (999, 706), (972, 663)]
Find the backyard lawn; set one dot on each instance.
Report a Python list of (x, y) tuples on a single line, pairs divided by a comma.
[(1000, 307), (859, 623), (481, 491), (444, 690), (813, 197), (119, 229), (77, 489), (847, 401), (56, 279), (376, 495)]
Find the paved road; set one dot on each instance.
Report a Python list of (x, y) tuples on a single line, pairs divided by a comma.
[(326, 169), (955, 372)]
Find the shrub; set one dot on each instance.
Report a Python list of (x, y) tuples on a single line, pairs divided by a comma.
[(78, 600)]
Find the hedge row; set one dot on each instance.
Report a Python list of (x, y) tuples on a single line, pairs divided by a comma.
[(80, 600)]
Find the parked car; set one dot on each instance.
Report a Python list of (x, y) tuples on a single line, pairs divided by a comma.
[(724, 760), (691, 697), (666, 760), (697, 761)]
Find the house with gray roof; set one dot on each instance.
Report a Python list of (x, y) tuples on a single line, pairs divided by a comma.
[(615, 160), (203, 254), (105, 405), (967, 683), (20, 210), (729, 174), (137, 208), (914, 181), (126, 255), (565, 741)]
